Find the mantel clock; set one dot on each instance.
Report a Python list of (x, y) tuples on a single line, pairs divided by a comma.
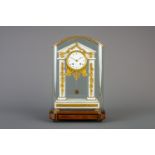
[(77, 79)]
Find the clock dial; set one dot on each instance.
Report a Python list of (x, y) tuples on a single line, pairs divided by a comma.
[(76, 60)]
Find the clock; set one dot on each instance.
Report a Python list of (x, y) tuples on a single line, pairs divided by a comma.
[(76, 63), (76, 60), (77, 79)]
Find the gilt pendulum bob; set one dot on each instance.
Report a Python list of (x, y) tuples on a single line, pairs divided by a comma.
[(77, 80)]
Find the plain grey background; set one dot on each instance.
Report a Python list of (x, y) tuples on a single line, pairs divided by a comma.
[(26, 76)]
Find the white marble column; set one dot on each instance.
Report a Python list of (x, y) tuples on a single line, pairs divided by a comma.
[(62, 80), (91, 79)]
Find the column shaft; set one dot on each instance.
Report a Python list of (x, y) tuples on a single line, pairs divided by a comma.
[(62, 79), (91, 79)]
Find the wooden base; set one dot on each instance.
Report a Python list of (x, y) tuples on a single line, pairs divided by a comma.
[(79, 115)]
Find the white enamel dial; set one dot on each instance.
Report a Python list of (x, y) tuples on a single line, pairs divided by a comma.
[(76, 60)]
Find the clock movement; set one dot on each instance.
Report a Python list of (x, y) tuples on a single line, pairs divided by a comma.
[(77, 79)]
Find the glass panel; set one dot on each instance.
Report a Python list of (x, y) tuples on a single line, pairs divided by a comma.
[(76, 88), (67, 89)]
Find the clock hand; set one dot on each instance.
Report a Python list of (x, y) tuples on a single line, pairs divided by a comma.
[(73, 58), (79, 58)]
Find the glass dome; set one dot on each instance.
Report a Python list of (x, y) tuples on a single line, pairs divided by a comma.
[(77, 77)]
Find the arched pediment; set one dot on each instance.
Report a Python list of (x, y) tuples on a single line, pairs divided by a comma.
[(77, 46), (87, 41), (75, 37)]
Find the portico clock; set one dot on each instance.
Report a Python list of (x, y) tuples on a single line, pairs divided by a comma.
[(77, 79)]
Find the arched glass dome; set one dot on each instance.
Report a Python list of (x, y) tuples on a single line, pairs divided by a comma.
[(78, 79)]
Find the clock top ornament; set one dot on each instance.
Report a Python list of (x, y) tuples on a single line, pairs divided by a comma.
[(77, 79)]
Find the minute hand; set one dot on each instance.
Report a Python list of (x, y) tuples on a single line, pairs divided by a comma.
[(80, 58), (73, 58)]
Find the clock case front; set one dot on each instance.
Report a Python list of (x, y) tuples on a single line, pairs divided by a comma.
[(77, 93)]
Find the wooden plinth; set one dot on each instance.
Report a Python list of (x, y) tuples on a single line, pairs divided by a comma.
[(79, 115)]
